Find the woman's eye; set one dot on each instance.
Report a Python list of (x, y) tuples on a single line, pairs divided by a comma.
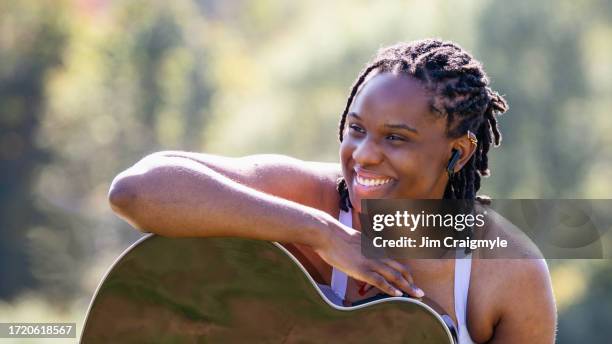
[(395, 138), (356, 128)]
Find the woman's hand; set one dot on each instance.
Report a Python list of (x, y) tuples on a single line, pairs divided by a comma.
[(341, 247)]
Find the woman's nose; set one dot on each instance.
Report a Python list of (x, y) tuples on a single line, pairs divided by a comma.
[(367, 152)]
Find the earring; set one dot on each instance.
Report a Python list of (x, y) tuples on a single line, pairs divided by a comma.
[(472, 137)]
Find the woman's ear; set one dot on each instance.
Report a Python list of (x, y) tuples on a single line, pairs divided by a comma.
[(466, 145)]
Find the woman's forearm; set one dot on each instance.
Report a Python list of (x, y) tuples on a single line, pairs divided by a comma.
[(174, 196)]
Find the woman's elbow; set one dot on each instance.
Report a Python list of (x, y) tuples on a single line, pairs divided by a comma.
[(123, 197), (126, 187)]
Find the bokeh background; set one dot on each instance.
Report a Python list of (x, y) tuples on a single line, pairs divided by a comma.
[(88, 87)]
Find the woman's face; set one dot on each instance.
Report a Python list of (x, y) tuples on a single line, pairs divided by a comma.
[(393, 146)]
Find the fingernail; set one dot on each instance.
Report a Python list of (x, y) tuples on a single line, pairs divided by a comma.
[(397, 292), (419, 292)]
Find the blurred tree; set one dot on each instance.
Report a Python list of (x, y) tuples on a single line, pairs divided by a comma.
[(535, 53), (134, 81), (547, 57), (32, 41), (588, 319)]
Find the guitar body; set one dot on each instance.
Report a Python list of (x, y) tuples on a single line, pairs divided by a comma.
[(230, 290)]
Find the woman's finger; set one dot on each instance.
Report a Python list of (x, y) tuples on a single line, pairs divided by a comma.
[(394, 277), (399, 267), (381, 283), (398, 280), (407, 274)]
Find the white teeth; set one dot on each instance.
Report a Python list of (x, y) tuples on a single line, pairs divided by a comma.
[(372, 182)]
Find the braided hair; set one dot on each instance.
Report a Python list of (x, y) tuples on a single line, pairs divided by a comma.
[(460, 91)]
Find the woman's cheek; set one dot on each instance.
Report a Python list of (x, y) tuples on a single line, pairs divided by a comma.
[(346, 146), (346, 152)]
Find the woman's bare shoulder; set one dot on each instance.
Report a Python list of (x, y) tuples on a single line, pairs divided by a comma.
[(321, 177), (514, 286), (320, 189), (515, 301), (327, 174)]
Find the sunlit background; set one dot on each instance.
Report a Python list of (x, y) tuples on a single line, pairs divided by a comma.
[(88, 87)]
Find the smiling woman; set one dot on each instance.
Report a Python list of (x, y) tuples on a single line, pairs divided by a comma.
[(418, 123), (390, 121)]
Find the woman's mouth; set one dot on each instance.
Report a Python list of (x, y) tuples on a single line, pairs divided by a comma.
[(371, 182), (370, 186)]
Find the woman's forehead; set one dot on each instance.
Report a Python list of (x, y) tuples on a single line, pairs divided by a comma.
[(389, 96)]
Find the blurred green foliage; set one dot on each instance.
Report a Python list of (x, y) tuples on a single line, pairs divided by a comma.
[(30, 47), (88, 87)]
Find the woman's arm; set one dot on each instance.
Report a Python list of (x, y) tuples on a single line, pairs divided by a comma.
[(178, 196), (528, 313), (262, 171)]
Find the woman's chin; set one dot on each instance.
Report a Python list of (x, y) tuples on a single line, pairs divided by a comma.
[(361, 192)]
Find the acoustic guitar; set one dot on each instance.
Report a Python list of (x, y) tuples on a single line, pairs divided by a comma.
[(232, 290)]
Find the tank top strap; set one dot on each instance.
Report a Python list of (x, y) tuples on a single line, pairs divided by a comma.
[(339, 279), (463, 269)]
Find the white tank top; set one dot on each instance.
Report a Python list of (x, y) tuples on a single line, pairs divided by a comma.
[(463, 267)]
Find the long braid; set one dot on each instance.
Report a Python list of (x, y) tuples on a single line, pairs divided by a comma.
[(460, 92)]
